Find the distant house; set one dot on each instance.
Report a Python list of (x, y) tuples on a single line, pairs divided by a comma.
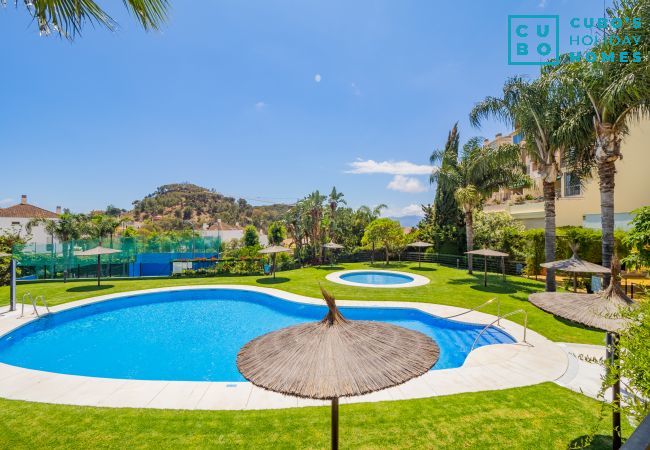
[(15, 219), (229, 233)]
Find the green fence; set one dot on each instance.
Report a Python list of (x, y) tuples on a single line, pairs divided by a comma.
[(139, 256)]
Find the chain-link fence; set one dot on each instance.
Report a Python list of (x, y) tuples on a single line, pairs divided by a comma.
[(139, 256)]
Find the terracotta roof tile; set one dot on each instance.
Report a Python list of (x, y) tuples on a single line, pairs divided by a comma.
[(27, 211)]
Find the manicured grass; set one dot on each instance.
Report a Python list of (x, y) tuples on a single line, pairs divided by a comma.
[(545, 416), (448, 286)]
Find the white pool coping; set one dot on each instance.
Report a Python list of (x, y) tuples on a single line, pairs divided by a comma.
[(491, 367), (418, 280)]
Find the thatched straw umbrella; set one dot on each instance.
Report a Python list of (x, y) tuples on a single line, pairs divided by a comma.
[(273, 251), (336, 358), (331, 246), (601, 311), (575, 265), (485, 252), (98, 251), (420, 245)]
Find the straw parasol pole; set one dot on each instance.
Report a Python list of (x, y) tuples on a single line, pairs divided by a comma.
[(273, 251), (601, 311), (485, 252), (98, 251), (331, 246), (575, 265), (336, 357), (420, 245)]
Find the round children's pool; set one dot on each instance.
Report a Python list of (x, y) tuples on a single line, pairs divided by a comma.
[(377, 278)]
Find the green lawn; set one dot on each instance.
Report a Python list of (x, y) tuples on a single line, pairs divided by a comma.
[(545, 416), (448, 286)]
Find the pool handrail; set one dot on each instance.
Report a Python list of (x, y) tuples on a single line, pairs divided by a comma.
[(34, 302), (517, 311), (479, 307)]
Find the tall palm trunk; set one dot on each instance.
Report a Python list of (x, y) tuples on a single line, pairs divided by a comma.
[(469, 233), (549, 232), (606, 174)]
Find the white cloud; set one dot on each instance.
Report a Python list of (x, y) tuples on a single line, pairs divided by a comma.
[(259, 106), (409, 210), (542, 3), (6, 201), (390, 167), (355, 89), (317, 78), (403, 183)]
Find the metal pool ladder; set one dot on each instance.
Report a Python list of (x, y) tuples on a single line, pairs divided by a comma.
[(495, 299), (518, 311), (34, 302)]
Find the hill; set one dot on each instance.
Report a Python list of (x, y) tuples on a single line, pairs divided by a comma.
[(172, 204)]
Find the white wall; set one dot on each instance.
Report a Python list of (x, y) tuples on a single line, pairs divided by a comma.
[(39, 236)]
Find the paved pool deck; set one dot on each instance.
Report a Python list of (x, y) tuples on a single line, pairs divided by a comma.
[(492, 367)]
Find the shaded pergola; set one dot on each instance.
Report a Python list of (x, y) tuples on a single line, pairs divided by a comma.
[(420, 245), (336, 357), (574, 266), (331, 246), (98, 251), (273, 251), (602, 311), (485, 253)]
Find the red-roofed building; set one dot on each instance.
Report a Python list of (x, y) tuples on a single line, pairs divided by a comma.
[(15, 219)]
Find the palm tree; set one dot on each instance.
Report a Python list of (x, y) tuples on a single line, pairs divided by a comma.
[(67, 17), (314, 203), (535, 109), (334, 200), (101, 226), (67, 228), (614, 95), (479, 172)]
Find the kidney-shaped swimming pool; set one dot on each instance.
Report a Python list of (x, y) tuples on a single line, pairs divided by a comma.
[(195, 334)]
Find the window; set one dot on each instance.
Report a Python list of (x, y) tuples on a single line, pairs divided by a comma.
[(571, 185)]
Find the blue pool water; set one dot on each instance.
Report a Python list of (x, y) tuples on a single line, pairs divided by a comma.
[(194, 335), (376, 278)]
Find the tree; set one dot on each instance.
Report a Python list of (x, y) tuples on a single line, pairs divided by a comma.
[(638, 239), (101, 226), (112, 210), (334, 200), (67, 17), (499, 231), (613, 96), (10, 241), (446, 213), (535, 108), (251, 238), (386, 233), (277, 233), (477, 174), (314, 218), (67, 228)]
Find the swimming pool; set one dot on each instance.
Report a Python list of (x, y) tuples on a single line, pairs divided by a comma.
[(195, 334), (377, 277)]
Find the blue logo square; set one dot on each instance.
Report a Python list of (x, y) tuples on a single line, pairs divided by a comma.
[(533, 40)]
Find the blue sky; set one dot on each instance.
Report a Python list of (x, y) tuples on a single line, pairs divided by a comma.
[(266, 100)]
